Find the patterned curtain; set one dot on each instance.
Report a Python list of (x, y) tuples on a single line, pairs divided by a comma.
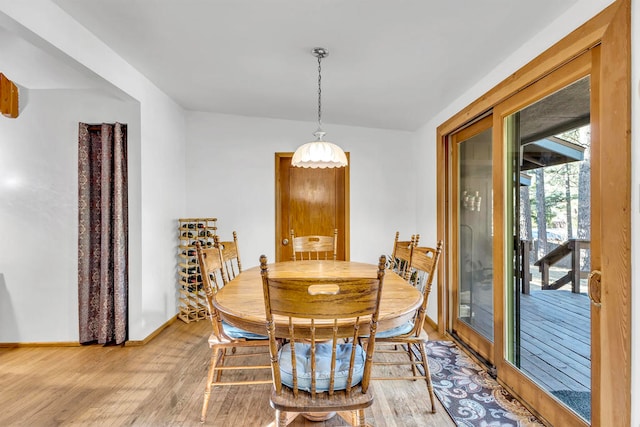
[(102, 233)]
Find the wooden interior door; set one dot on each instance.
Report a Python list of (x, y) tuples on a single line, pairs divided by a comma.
[(311, 202)]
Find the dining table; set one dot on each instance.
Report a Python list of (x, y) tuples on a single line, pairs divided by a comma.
[(241, 301)]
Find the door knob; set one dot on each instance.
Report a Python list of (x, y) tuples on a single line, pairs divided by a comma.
[(285, 242), (595, 287)]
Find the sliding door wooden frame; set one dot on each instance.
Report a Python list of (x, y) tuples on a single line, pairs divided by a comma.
[(508, 374), (482, 345), (610, 29)]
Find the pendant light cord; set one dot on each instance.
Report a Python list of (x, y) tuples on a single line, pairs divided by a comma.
[(319, 153), (319, 92)]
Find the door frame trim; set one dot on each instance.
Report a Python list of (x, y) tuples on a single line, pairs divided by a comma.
[(611, 29), (484, 346)]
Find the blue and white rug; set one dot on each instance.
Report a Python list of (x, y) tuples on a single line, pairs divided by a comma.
[(469, 394)]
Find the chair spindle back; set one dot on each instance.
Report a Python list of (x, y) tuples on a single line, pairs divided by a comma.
[(344, 303), (230, 255), (401, 256), (314, 247)]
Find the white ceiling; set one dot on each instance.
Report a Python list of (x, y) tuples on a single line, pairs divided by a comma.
[(392, 64)]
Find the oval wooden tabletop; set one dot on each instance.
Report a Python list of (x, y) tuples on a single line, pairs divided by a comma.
[(241, 302)]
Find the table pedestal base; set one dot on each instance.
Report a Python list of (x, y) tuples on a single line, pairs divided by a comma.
[(318, 416)]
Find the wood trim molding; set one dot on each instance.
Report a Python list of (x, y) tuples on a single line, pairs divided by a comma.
[(442, 230), (39, 344), (278, 198), (77, 344), (614, 147), (152, 335), (8, 97), (431, 322)]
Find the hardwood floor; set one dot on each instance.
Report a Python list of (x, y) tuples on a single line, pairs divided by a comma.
[(161, 384)]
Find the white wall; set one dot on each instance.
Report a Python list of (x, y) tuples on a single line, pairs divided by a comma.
[(157, 173), (39, 210), (426, 203), (230, 175)]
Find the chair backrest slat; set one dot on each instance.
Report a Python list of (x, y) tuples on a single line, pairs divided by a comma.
[(213, 279), (334, 343), (401, 256), (291, 297), (230, 255), (314, 247), (424, 262)]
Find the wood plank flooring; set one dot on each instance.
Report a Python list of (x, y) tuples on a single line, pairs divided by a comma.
[(161, 384)]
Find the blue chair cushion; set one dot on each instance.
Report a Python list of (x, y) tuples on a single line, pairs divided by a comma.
[(405, 328), (237, 333), (323, 366)]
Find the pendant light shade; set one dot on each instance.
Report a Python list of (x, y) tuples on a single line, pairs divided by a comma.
[(319, 153)]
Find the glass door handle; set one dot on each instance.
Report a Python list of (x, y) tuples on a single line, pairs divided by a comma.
[(285, 242), (595, 287)]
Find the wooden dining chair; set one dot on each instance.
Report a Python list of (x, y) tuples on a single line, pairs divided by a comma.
[(411, 336), (318, 371), (225, 339), (400, 261), (314, 247), (230, 255)]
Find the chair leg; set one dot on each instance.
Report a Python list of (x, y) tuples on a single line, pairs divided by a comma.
[(348, 416), (354, 418), (427, 374), (283, 419), (207, 391), (412, 360), (221, 355)]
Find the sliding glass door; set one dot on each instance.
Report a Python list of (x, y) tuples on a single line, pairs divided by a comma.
[(520, 262), (545, 134), (473, 230), (550, 141), (536, 217)]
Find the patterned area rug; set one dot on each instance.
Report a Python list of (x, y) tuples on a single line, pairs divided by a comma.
[(469, 394)]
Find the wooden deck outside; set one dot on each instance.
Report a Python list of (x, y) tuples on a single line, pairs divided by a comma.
[(555, 343), (555, 334), (555, 339)]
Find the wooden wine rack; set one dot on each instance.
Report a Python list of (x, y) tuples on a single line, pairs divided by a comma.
[(192, 299)]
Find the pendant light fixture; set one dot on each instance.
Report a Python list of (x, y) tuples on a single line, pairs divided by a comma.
[(319, 153)]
